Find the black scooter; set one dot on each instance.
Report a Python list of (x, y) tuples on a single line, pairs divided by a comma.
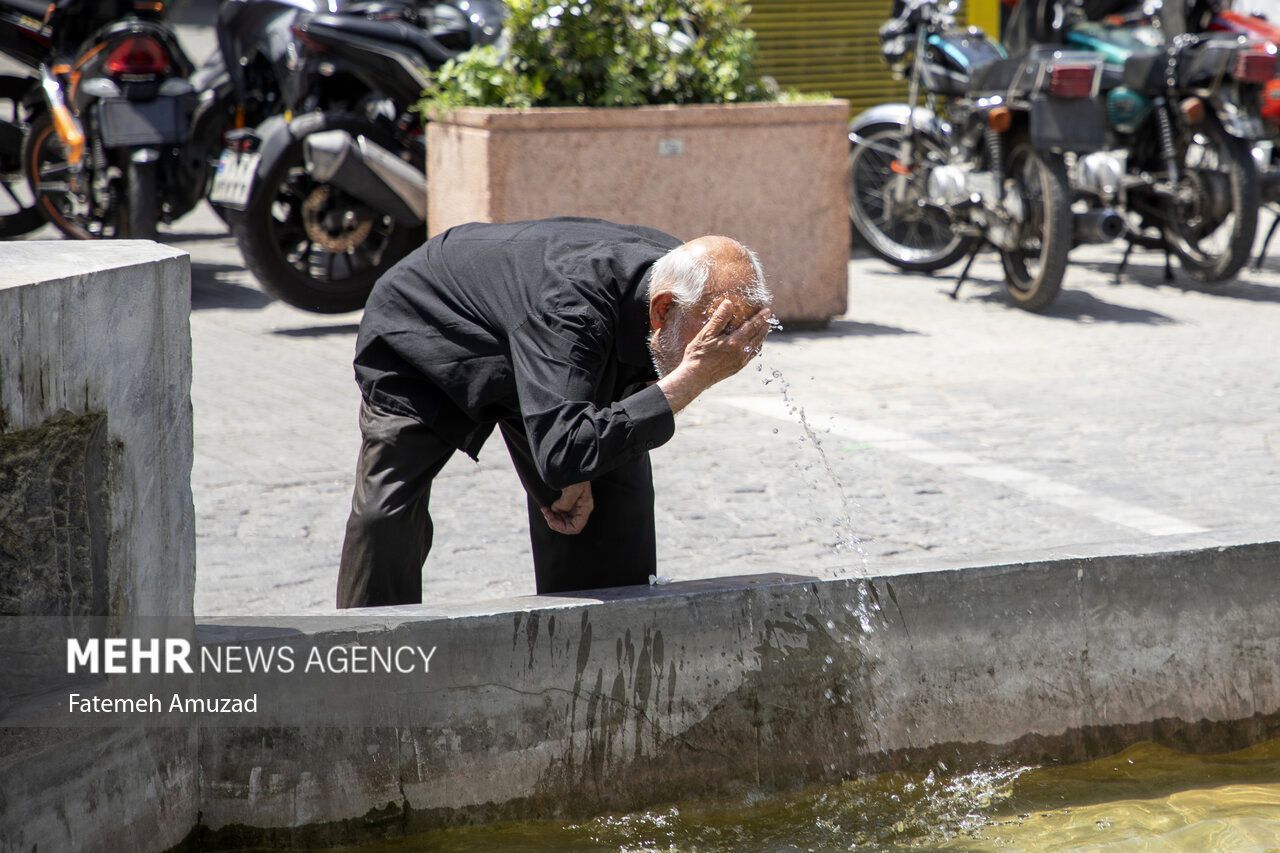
[(326, 202)]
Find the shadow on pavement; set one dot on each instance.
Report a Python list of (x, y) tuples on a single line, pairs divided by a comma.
[(318, 331), (174, 238), (210, 290), (1080, 305), (1153, 276), (848, 328)]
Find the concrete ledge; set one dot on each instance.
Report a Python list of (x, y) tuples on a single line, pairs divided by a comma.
[(569, 706), (662, 117)]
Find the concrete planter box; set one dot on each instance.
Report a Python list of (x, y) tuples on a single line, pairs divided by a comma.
[(770, 175)]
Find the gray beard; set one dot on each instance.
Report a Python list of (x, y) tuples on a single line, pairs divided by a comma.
[(664, 348)]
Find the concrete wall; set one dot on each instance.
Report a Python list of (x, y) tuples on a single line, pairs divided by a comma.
[(770, 175), (568, 706), (96, 527)]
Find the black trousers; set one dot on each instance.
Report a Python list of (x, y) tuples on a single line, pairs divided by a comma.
[(389, 531)]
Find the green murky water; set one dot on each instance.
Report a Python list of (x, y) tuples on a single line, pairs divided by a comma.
[(1146, 798)]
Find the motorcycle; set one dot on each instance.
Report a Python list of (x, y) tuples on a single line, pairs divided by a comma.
[(98, 117), (328, 201), (1183, 113), (928, 189), (25, 39), (1214, 18)]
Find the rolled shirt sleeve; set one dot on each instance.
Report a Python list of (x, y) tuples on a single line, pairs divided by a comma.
[(558, 360)]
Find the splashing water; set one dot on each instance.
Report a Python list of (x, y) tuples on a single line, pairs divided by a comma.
[(866, 610), (847, 541)]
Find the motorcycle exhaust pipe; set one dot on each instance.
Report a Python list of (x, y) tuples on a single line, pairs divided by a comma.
[(369, 172), (1097, 226)]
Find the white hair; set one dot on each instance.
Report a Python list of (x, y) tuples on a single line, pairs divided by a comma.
[(684, 274)]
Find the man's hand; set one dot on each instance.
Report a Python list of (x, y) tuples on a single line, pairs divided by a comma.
[(715, 353), (569, 513)]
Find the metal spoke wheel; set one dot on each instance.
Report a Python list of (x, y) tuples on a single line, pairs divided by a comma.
[(908, 232), (1037, 199), (1214, 214)]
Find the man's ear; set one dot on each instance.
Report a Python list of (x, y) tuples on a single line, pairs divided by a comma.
[(659, 306)]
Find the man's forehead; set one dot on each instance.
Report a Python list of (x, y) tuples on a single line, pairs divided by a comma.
[(742, 307)]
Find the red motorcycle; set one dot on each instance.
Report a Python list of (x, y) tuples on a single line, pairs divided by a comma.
[(1212, 18)]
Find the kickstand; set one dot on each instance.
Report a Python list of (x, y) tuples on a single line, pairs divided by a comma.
[(1168, 265), (1124, 262), (1262, 253), (964, 272)]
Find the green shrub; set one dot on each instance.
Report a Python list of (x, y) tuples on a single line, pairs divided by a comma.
[(608, 53)]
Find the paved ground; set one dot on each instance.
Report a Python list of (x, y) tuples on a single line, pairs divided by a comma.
[(956, 429)]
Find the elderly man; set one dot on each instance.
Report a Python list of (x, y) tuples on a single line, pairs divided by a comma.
[(554, 331)]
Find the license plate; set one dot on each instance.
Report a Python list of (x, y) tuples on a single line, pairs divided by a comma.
[(1067, 124), (129, 124), (233, 178)]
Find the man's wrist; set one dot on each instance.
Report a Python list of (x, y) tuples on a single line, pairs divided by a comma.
[(681, 386)]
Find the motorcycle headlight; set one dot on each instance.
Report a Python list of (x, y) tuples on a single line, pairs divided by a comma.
[(894, 50)]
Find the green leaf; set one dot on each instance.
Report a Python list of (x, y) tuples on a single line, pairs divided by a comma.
[(607, 53)]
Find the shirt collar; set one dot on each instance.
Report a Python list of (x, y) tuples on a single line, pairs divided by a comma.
[(633, 323)]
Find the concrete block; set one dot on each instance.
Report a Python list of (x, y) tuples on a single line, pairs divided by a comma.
[(96, 528)]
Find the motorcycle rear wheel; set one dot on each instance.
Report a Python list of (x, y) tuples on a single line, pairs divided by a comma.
[(287, 241), (142, 190), (61, 192), (924, 242), (1215, 155), (1045, 234)]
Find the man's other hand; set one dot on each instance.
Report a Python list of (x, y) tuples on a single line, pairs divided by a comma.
[(570, 512)]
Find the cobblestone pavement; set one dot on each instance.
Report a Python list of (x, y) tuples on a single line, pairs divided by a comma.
[(957, 429)]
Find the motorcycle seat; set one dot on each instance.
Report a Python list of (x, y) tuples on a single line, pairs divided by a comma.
[(389, 32), (35, 8), (995, 76), (1144, 72), (1112, 77)]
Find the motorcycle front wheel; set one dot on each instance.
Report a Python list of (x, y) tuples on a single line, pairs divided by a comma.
[(1034, 269), (910, 234), (311, 245), (1215, 216)]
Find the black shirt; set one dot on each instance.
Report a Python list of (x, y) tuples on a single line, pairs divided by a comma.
[(544, 322)]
